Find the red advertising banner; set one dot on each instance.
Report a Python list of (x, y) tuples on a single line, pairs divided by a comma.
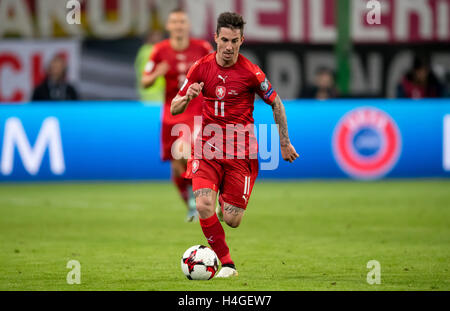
[(303, 21), (314, 20)]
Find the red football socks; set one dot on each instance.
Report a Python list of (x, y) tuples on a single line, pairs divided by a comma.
[(214, 233)]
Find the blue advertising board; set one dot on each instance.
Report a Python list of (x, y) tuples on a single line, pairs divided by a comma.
[(361, 139)]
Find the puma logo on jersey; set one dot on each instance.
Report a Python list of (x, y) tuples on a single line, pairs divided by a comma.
[(245, 199), (222, 78)]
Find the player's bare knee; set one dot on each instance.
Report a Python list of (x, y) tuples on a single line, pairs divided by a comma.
[(204, 202), (204, 207)]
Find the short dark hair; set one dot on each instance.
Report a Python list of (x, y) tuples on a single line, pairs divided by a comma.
[(230, 20)]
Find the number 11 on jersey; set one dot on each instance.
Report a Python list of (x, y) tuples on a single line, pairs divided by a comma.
[(222, 108)]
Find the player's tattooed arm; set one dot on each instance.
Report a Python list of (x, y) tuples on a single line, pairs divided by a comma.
[(279, 114), (180, 103)]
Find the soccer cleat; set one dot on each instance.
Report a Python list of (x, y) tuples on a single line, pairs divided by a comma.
[(192, 211), (219, 213), (191, 215), (227, 272)]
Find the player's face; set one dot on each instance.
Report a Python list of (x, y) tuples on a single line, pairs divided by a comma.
[(229, 42), (178, 25)]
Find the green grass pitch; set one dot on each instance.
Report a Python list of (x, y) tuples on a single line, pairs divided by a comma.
[(294, 236)]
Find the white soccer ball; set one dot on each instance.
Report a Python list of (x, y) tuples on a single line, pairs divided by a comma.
[(199, 263)]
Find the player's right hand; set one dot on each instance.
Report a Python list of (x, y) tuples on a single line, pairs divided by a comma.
[(288, 153), (194, 90)]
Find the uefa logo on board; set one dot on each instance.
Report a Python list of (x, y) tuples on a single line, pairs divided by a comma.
[(366, 143)]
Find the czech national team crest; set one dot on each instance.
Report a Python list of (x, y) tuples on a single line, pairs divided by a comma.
[(195, 165), (366, 143), (220, 92)]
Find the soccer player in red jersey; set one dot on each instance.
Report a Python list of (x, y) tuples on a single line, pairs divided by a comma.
[(172, 58), (228, 82)]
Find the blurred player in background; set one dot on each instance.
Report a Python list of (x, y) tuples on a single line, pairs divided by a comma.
[(157, 91), (229, 82), (172, 58)]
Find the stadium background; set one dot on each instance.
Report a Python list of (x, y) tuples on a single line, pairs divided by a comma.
[(290, 40), (110, 134)]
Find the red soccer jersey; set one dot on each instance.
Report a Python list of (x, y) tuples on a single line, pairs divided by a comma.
[(179, 64), (228, 100)]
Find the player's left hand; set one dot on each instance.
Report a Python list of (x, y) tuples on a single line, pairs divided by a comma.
[(288, 153)]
